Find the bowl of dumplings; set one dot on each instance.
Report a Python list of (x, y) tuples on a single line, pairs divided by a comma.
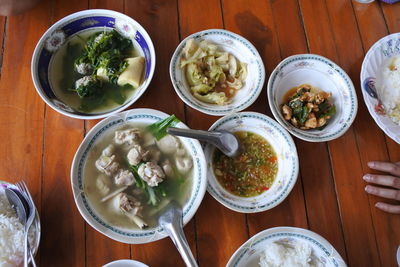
[(127, 170), (93, 63)]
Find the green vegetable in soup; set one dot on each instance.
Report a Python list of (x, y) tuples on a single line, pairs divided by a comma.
[(159, 129)]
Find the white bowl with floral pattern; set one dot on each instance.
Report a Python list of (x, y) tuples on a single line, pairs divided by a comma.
[(283, 145), (372, 66), (68, 27), (243, 50), (323, 74), (248, 255)]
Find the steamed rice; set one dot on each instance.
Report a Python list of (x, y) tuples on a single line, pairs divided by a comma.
[(388, 88), (278, 254), (11, 234)]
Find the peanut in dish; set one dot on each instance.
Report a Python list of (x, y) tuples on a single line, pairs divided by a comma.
[(307, 108)]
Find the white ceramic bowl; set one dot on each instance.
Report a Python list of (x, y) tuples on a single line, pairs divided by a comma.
[(288, 166), (381, 51), (243, 50), (133, 236), (125, 263), (248, 255), (324, 74), (36, 221), (76, 23)]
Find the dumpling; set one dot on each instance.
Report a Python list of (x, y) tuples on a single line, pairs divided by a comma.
[(133, 73)]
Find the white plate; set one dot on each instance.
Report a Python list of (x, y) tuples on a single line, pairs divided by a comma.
[(243, 50), (248, 255), (134, 236), (383, 49), (288, 166), (125, 263), (324, 74)]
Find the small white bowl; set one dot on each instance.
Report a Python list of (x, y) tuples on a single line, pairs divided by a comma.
[(248, 255), (381, 51), (78, 22), (288, 165), (125, 263), (243, 50), (324, 74), (133, 236)]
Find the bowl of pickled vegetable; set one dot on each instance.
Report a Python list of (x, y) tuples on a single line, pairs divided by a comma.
[(312, 97), (264, 172), (217, 72), (93, 63)]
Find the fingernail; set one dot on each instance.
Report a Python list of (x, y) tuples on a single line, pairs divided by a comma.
[(378, 205), (367, 177), (371, 164), (368, 189)]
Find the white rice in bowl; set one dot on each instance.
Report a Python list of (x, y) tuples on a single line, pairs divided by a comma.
[(280, 254), (388, 88), (11, 234)]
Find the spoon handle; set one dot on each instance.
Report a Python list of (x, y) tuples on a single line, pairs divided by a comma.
[(178, 237), (26, 248), (31, 256), (207, 136)]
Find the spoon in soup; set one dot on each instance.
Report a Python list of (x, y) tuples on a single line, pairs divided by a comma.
[(223, 140), (171, 221)]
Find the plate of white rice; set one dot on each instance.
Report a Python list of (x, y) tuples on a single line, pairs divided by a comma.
[(12, 232), (284, 247), (380, 82)]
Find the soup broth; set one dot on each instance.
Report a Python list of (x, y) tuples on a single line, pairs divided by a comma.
[(173, 187), (62, 76)]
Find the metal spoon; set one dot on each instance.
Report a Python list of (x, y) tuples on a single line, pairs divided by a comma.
[(19, 203), (223, 140), (171, 221)]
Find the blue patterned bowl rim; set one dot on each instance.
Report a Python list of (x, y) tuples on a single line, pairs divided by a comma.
[(72, 24)]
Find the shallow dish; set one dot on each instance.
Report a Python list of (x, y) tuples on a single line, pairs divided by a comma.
[(133, 236), (125, 263), (63, 30), (249, 253), (36, 221), (383, 49), (288, 166), (323, 74), (243, 50)]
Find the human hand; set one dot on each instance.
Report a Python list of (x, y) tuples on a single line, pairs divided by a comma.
[(391, 183)]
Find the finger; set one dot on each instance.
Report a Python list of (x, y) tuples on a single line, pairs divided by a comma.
[(388, 207), (389, 167), (383, 192), (383, 180)]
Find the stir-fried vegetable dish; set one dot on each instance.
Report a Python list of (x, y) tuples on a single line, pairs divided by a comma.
[(252, 172), (306, 107), (214, 76)]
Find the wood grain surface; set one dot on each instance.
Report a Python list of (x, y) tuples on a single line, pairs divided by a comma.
[(38, 144)]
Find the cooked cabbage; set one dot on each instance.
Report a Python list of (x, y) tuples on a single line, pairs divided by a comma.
[(210, 72), (218, 98)]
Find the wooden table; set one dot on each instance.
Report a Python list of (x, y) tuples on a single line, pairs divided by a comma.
[(38, 144)]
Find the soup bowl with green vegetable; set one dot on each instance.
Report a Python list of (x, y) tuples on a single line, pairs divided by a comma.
[(93, 63), (264, 172), (128, 169)]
